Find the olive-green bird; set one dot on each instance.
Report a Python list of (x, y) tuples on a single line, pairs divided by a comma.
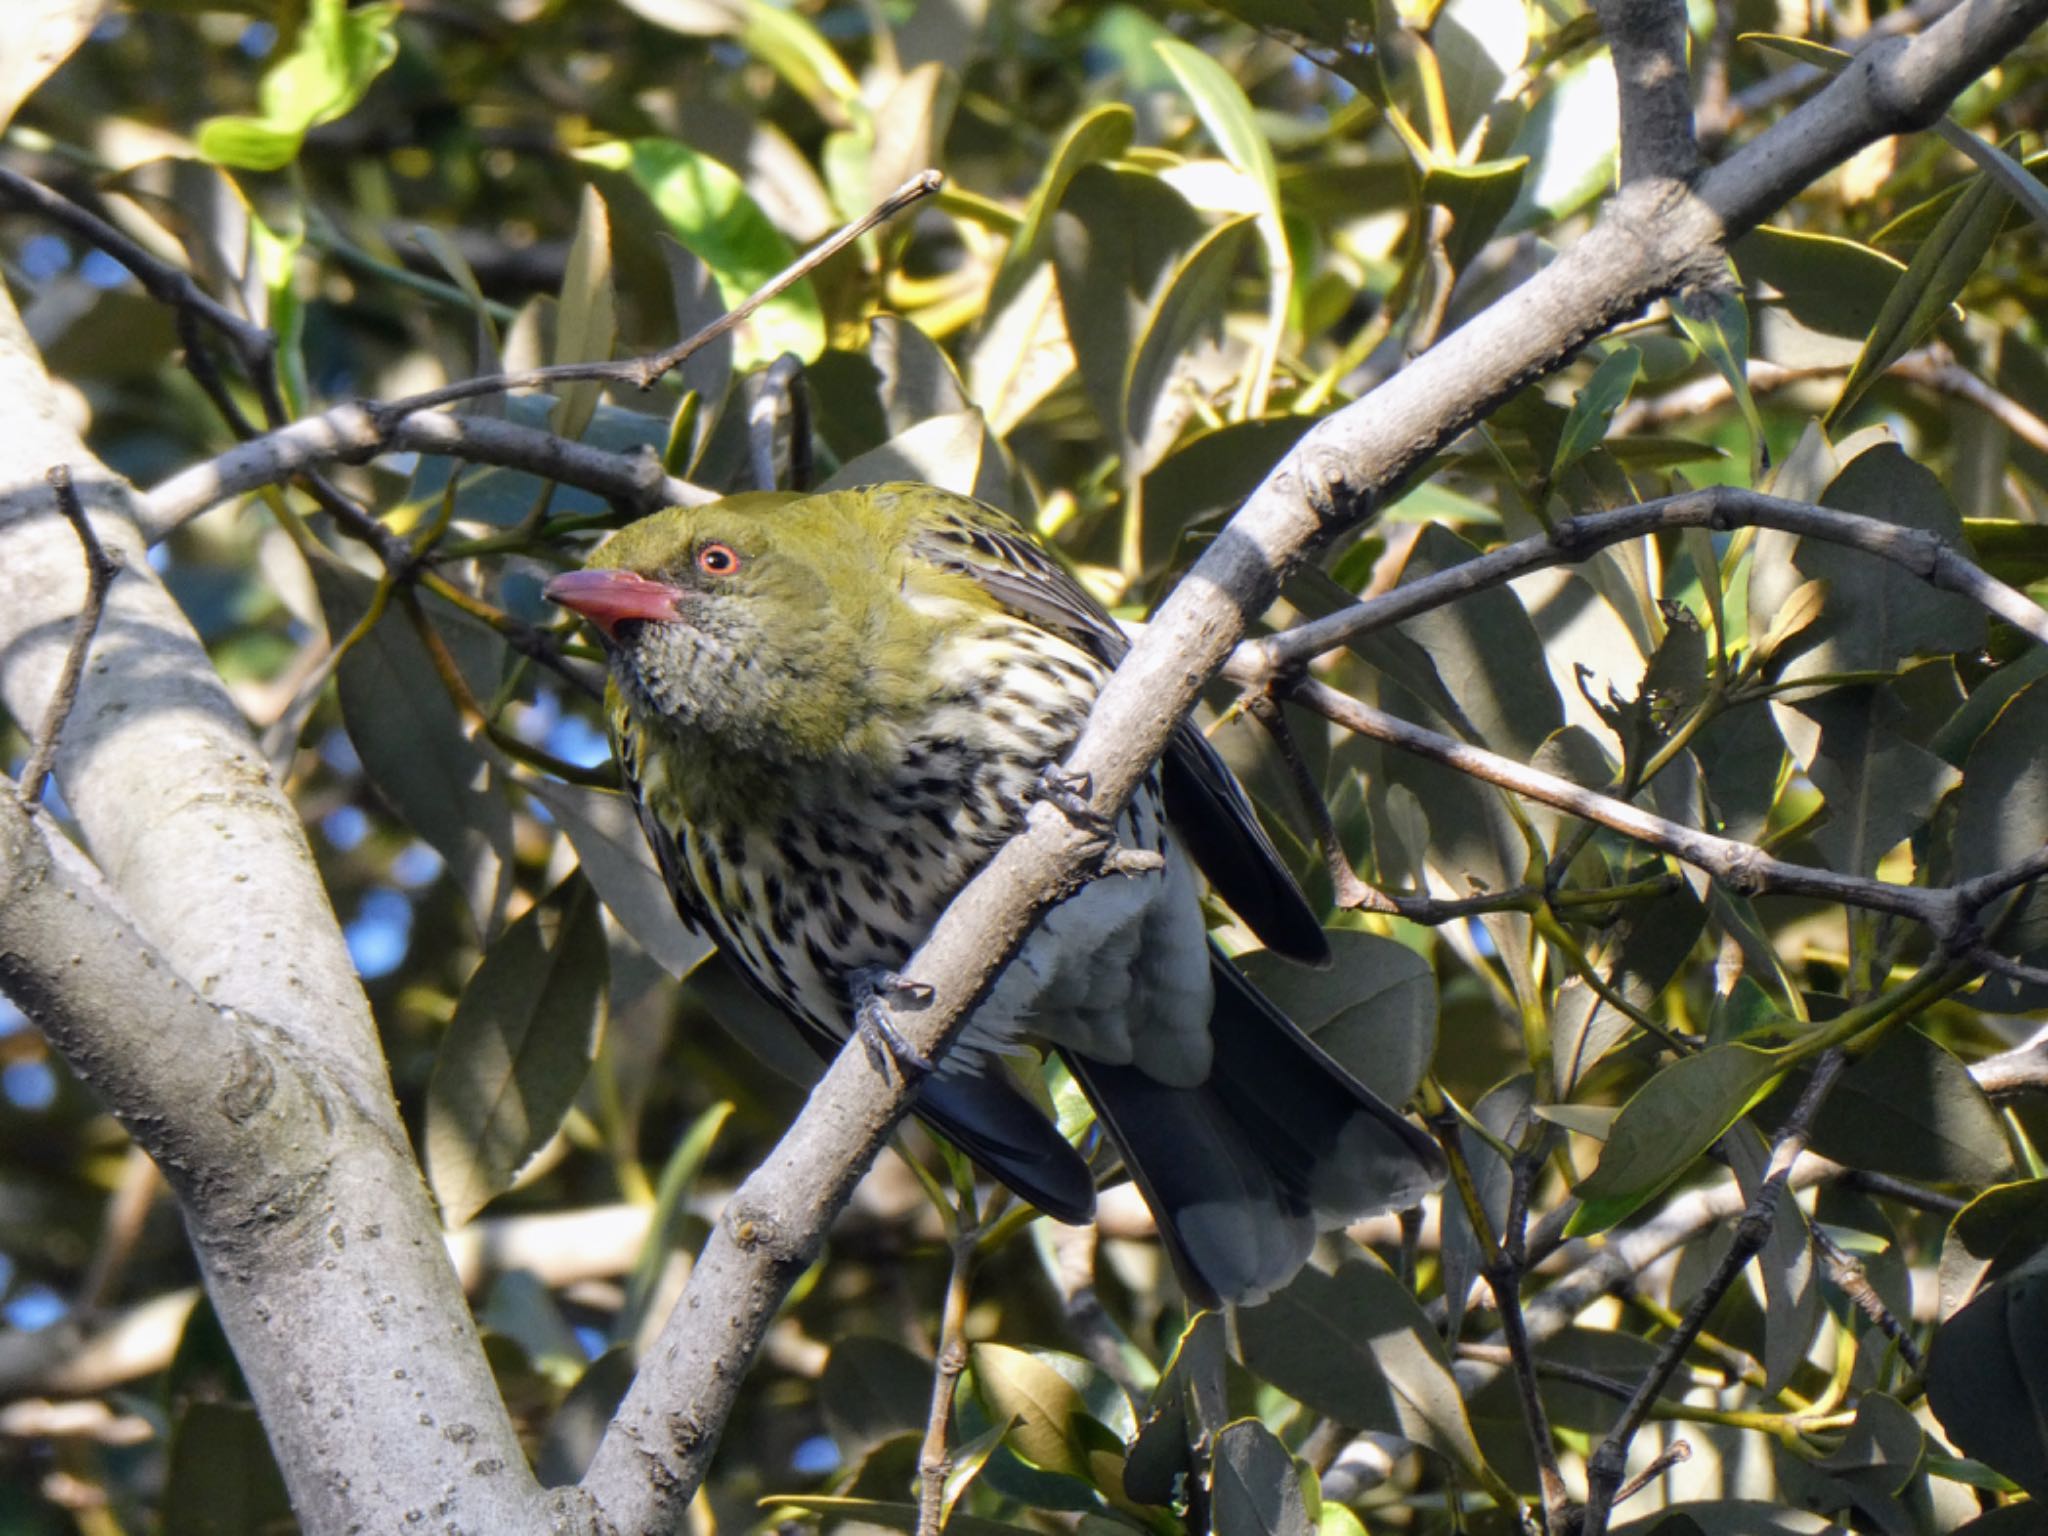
[(832, 710)]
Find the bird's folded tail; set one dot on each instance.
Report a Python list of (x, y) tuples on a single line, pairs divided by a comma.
[(1277, 1144)]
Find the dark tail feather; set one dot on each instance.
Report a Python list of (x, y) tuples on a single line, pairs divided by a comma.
[(1010, 1138), (1279, 1143)]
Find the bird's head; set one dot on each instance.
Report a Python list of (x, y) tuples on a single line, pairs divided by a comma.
[(767, 624)]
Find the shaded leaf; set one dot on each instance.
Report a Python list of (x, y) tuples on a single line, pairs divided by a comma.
[(872, 1388), (1098, 135), (1256, 1490), (410, 738), (1932, 281), (1987, 1378), (1356, 1346), (2004, 1228), (1912, 1110), (1191, 302), (1373, 1007), (1876, 613), (524, 1034), (604, 829), (1668, 1124)]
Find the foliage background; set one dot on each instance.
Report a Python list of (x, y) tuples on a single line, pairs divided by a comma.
[(1169, 241)]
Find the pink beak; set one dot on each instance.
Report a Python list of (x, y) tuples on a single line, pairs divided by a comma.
[(609, 598)]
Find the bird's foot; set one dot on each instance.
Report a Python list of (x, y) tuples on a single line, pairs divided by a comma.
[(1068, 793), (879, 1036)]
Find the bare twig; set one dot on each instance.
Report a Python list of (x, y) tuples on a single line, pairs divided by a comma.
[(933, 1462), (646, 372), (255, 348), (1848, 1276), (2022, 1069), (100, 570), (1719, 508), (1608, 1464)]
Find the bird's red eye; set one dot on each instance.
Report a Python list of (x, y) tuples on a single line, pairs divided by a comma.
[(717, 560)]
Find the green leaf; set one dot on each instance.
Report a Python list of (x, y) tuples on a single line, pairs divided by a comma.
[(1932, 281), (1637, 958), (604, 829), (1718, 324), (524, 1035), (1824, 283), (1192, 302), (1670, 1122), (337, 53), (1373, 1007), (584, 324), (1593, 407), (1479, 196), (1999, 1231), (1792, 1298), (1102, 134), (709, 210), (1356, 1345), (1036, 1391), (1912, 1110), (1257, 1491), (409, 736), (678, 1178), (1987, 1378), (786, 41)]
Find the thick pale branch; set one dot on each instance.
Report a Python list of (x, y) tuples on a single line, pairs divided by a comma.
[(308, 1214)]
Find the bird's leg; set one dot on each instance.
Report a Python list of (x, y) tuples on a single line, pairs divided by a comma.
[(879, 1036), (1069, 792)]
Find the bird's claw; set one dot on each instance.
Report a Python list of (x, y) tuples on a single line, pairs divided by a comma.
[(1068, 793), (879, 1036)]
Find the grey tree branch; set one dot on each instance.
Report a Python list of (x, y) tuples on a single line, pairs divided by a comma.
[(260, 1085), (1648, 41), (357, 432), (659, 1445)]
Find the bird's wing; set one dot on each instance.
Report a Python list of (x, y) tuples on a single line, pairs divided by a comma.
[(1207, 805)]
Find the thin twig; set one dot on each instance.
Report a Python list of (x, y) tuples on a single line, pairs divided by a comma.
[(933, 1462), (254, 346), (1719, 508), (1608, 1463), (100, 570), (1504, 1276), (646, 372), (1849, 1278)]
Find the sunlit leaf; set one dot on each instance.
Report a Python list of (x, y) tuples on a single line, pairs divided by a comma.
[(338, 52), (709, 210)]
